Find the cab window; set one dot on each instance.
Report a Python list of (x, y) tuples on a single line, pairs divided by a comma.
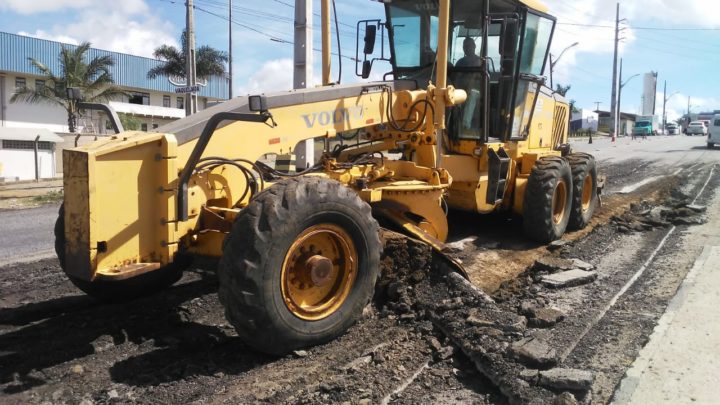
[(535, 46)]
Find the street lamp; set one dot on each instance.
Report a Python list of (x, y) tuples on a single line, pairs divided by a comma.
[(553, 63), (619, 111), (665, 100)]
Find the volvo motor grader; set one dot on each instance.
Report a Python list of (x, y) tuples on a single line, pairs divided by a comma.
[(463, 121)]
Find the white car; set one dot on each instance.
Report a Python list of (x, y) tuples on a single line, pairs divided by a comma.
[(697, 128), (672, 129), (714, 133)]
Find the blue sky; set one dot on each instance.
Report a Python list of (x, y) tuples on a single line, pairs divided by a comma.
[(687, 59)]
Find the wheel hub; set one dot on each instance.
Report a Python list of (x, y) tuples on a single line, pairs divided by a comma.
[(320, 268), (559, 202), (318, 272), (587, 192)]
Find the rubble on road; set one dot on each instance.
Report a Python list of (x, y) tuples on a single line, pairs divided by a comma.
[(677, 210), (501, 343), (566, 379), (570, 278)]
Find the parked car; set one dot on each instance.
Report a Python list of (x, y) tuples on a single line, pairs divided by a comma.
[(697, 128), (714, 133), (672, 128)]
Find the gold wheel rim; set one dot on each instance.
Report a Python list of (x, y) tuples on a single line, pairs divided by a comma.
[(587, 193), (559, 204), (318, 272)]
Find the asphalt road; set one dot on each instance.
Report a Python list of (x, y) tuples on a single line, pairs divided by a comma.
[(27, 234)]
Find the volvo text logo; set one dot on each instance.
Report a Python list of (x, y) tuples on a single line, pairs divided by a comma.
[(333, 116)]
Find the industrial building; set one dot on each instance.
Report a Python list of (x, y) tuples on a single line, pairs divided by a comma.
[(152, 102)]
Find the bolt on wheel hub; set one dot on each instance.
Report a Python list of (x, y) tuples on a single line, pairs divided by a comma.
[(318, 272)]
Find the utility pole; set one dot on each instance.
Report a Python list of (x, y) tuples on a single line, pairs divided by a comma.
[(597, 105), (303, 72), (190, 78), (665, 99), (618, 117), (613, 100), (230, 51)]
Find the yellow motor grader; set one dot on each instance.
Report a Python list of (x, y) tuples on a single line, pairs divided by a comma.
[(466, 122)]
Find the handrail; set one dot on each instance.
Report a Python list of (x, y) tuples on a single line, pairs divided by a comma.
[(208, 131)]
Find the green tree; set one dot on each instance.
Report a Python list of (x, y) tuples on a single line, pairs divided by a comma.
[(562, 90), (129, 122), (208, 61), (92, 77)]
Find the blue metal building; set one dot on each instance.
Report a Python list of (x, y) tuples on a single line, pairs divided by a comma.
[(128, 71)]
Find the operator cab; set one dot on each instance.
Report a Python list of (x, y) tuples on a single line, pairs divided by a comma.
[(499, 61)]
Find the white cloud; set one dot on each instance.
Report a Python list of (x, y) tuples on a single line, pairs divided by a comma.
[(677, 105), (273, 75), (585, 14), (42, 6), (51, 37), (126, 26)]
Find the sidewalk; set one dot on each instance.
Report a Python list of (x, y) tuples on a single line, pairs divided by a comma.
[(31, 188), (681, 362)]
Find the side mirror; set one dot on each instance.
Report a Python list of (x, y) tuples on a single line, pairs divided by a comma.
[(258, 103), (370, 34), (366, 68)]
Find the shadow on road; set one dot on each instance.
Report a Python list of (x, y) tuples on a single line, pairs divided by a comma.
[(173, 334)]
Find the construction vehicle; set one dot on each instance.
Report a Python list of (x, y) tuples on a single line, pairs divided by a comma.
[(299, 253)]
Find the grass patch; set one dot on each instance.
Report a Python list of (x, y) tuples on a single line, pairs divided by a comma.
[(51, 197)]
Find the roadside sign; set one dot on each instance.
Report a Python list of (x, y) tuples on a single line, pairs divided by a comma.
[(188, 89)]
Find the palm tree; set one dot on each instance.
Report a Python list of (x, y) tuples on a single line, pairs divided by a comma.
[(208, 61), (93, 78)]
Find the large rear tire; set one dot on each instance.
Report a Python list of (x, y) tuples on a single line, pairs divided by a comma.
[(299, 264), (548, 199), (123, 290), (584, 190)]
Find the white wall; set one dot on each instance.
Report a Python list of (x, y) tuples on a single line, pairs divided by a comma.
[(589, 119), (54, 118), (20, 164), (24, 115)]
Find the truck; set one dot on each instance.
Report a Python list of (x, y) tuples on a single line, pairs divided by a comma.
[(646, 125)]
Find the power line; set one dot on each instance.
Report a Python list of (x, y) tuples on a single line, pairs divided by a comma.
[(640, 28), (264, 15), (272, 38)]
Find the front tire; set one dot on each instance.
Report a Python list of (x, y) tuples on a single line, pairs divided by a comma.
[(548, 199), (584, 190), (121, 290), (299, 264)]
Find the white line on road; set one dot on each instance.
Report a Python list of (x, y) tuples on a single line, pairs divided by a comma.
[(633, 187)]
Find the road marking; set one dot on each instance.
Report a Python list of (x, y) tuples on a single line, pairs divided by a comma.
[(632, 280), (633, 187)]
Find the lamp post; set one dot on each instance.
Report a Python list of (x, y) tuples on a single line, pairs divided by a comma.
[(665, 100), (553, 63), (619, 111)]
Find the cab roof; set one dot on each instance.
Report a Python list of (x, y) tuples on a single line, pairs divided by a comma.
[(535, 5)]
